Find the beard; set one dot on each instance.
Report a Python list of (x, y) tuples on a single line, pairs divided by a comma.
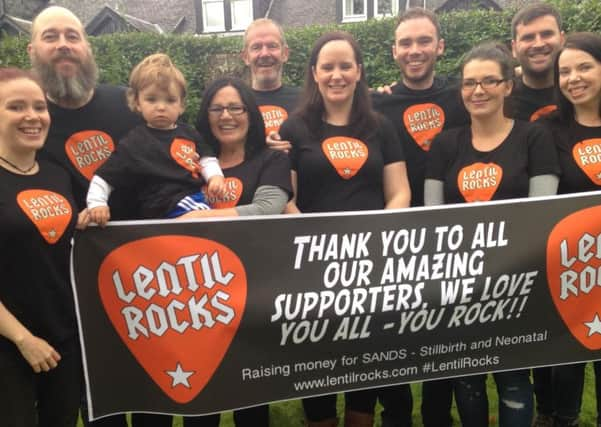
[(69, 90)]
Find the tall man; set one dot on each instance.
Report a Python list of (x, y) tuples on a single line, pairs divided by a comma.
[(87, 119), (265, 52), (536, 39), (421, 104)]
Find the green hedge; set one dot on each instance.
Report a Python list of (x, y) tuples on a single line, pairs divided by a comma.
[(203, 58)]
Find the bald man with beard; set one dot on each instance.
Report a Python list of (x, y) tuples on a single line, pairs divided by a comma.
[(88, 118)]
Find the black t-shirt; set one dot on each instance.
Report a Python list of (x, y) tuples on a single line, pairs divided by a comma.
[(156, 167), (579, 149), (267, 167), (529, 104), (419, 115), (276, 105), (80, 140), (470, 175), (337, 171), (38, 218)]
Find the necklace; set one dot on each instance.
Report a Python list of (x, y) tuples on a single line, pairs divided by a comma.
[(23, 171)]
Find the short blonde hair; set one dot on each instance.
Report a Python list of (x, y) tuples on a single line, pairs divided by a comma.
[(156, 69), (260, 22)]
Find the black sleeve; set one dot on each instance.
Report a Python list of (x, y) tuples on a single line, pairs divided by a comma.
[(276, 171), (392, 150), (438, 158), (542, 152)]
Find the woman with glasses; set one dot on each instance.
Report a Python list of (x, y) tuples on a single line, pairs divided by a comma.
[(576, 126), (493, 158), (344, 157), (257, 181)]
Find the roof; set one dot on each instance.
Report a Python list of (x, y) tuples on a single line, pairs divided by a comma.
[(140, 14), (14, 25), (291, 13), (107, 19)]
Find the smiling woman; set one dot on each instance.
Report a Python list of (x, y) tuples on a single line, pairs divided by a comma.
[(40, 368), (345, 157), (493, 158)]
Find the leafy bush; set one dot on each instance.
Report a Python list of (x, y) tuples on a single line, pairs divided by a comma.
[(202, 59)]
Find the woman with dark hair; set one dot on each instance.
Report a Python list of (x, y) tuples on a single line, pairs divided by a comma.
[(257, 181), (40, 363), (493, 158), (576, 123), (345, 157)]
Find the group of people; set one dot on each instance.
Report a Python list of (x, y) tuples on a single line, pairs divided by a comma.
[(73, 152)]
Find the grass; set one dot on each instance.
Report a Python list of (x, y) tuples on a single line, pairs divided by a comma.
[(290, 414)]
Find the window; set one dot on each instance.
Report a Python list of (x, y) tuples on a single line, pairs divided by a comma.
[(242, 14), (354, 10), (360, 10), (386, 7), (220, 15), (213, 16)]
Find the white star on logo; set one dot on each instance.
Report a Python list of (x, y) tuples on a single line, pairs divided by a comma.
[(180, 376), (52, 233), (599, 176), (594, 326), (347, 171)]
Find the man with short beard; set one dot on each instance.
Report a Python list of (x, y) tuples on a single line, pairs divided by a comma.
[(536, 39), (87, 119), (421, 104)]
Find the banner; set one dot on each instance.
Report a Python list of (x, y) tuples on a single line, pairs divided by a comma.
[(198, 317)]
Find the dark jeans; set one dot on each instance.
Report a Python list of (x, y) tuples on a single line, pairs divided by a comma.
[(320, 408), (437, 398), (567, 386), (543, 389), (257, 416), (47, 399), (516, 403), (397, 402)]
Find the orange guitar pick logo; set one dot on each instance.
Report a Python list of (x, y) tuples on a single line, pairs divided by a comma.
[(234, 188), (542, 112), (587, 155), (273, 116), (574, 274), (88, 150), (478, 182), (49, 211), (176, 302), (183, 152), (423, 122), (347, 155)]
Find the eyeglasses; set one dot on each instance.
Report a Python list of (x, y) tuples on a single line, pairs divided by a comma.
[(485, 83), (233, 110)]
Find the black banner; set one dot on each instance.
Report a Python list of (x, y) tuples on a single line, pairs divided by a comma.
[(199, 317)]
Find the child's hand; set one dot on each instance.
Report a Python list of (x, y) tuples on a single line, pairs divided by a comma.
[(216, 186), (100, 215)]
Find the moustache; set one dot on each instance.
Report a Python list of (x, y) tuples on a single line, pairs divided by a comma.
[(266, 62), (60, 56), (538, 50)]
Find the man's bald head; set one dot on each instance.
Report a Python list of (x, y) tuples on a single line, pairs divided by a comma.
[(52, 13)]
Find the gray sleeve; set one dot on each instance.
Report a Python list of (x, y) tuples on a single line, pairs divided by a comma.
[(543, 185), (268, 199), (433, 192)]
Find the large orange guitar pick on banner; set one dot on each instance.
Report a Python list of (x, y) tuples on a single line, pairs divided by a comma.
[(183, 152), (423, 122), (49, 211), (176, 302), (478, 182), (587, 155), (88, 150), (574, 274), (346, 154), (234, 188)]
